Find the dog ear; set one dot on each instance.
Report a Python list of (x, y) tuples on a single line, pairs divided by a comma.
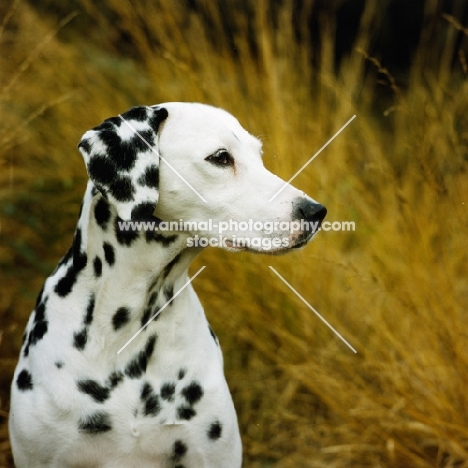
[(122, 160)]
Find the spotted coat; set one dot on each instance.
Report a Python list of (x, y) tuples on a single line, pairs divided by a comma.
[(78, 398)]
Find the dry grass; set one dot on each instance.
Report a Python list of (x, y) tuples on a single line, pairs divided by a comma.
[(396, 288)]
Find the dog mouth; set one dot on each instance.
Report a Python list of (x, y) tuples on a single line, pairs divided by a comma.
[(236, 246), (303, 239)]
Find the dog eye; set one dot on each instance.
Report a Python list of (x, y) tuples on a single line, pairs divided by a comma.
[(221, 158)]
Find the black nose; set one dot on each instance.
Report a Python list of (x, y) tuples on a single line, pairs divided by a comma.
[(309, 211)]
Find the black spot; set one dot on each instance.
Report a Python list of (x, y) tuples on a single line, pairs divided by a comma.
[(109, 254), (90, 310), (192, 392), (168, 391), (26, 350), (182, 373), (38, 332), (59, 364), (138, 113), (215, 431), (85, 146), (170, 265), (114, 379), (212, 333), (137, 366), (80, 262), (179, 450), (123, 153), (95, 423), (95, 390), (40, 312), (169, 292), (24, 381), (166, 241), (143, 211), (39, 326), (159, 115), (152, 404), (143, 141), (97, 265), (102, 213), (149, 348), (152, 299), (120, 318), (153, 284), (65, 284), (80, 259), (101, 169), (156, 313), (146, 316), (122, 189), (146, 391), (80, 339), (150, 178), (185, 412), (124, 237)]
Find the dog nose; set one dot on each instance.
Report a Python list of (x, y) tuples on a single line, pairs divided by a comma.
[(309, 211)]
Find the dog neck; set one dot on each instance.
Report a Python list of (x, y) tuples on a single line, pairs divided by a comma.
[(135, 271)]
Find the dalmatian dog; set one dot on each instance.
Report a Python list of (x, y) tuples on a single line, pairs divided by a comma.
[(80, 400)]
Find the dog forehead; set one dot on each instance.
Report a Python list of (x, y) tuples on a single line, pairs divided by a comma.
[(187, 121)]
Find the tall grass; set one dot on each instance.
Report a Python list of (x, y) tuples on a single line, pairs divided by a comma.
[(396, 288)]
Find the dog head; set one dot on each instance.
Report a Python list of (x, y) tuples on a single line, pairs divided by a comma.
[(195, 164)]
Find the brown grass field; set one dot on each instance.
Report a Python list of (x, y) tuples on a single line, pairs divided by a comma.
[(396, 288)]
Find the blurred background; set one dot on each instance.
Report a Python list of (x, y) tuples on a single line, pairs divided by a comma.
[(292, 72)]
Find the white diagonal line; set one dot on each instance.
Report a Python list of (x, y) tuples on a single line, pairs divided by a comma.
[(313, 157), (160, 156), (312, 309), (161, 309)]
